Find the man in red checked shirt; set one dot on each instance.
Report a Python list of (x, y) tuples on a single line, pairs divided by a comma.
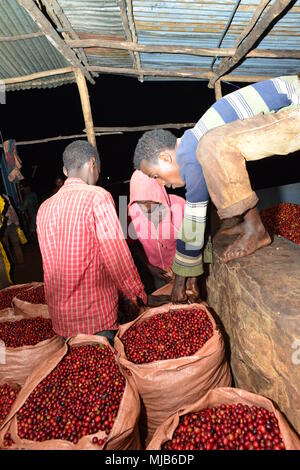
[(86, 260)]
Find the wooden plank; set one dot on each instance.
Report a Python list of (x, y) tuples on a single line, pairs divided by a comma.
[(205, 52), (48, 30), (86, 106), (273, 15)]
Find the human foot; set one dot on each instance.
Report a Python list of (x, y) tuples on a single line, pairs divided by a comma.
[(231, 226), (245, 245)]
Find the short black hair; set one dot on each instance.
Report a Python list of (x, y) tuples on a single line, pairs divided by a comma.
[(151, 144), (78, 153)]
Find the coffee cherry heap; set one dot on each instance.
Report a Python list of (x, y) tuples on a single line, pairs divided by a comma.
[(227, 427), (170, 335), (7, 398), (80, 397), (35, 295), (6, 295), (25, 332), (284, 220)]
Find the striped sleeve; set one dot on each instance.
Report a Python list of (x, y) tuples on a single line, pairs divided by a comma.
[(188, 258)]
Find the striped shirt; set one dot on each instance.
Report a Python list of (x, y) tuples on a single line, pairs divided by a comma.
[(86, 260), (262, 97)]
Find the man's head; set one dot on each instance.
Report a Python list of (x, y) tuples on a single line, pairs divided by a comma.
[(81, 160), (155, 155)]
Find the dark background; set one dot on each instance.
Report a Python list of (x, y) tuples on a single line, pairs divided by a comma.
[(115, 101)]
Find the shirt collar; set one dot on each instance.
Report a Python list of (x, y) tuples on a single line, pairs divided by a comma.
[(71, 181)]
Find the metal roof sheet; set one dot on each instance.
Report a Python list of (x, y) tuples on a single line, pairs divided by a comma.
[(174, 22), (25, 57)]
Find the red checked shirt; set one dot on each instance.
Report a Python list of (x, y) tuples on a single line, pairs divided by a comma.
[(86, 260)]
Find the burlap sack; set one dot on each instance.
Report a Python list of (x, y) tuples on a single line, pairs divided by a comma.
[(28, 309), (226, 396), (28, 286), (166, 386), (124, 434), (16, 364), (13, 385)]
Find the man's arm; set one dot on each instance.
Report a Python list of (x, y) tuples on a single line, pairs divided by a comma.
[(188, 258), (117, 259)]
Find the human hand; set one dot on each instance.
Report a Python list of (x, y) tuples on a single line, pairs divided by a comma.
[(160, 273), (192, 290), (179, 295)]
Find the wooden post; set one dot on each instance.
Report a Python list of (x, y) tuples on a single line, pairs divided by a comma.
[(86, 106), (218, 90)]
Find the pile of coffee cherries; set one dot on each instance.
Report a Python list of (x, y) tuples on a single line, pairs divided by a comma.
[(35, 295), (170, 335), (6, 295), (7, 398), (227, 427), (284, 220), (25, 332), (80, 397)]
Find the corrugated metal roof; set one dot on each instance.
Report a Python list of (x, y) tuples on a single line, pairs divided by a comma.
[(173, 22), (25, 57), (186, 23)]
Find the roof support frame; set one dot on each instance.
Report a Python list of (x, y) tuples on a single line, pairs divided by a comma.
[(127, 21), (269, 19), (52, 35)]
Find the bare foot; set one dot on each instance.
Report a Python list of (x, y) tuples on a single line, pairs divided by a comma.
[(231, 226), (235, 230), (245, 245)]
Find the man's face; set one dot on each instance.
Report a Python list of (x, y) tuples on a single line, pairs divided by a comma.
[(165, 168)]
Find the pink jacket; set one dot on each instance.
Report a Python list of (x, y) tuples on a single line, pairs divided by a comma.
[(159, 243)]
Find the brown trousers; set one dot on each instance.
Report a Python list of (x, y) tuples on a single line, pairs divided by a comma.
[(223, 153)]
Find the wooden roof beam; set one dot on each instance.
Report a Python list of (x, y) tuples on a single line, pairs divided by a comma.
[(21, 37), (205, 52), (256, 35), (204, 75), (62, 22), (36, 76), (52, 35), (130, 35)]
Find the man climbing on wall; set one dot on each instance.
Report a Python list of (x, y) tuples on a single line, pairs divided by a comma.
[(160, 155)]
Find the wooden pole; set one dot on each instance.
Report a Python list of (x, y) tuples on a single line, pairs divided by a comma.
[(205, 52), (35, 76), (256, 16), (258, 32), (21, 37), (205, 75), (60, 19), (52, 35), (218, 90), (125, 20), (86, 106), (144, 128), (61, 137)]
